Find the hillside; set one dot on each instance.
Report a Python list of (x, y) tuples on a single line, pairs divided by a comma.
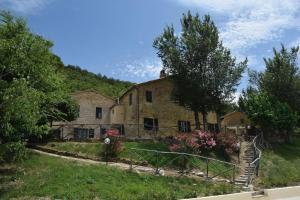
[(79, 79)]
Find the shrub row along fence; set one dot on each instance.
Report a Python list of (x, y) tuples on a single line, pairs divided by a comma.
[(183, 163)]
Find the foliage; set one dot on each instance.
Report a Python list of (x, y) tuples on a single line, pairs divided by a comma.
[(32, 93), (281, 83), (227, 144), (199, 65), (281, 79), (58, 178), (279, 166), (13, 152), (197, 142), (268, 113), (79, 79), (115, 146)]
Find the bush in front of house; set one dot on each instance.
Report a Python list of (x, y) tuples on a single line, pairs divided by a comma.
[(112, 150), (198, 142), (13, 152), (227, 144)]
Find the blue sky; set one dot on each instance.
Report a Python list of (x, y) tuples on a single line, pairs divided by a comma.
[(114, 37)]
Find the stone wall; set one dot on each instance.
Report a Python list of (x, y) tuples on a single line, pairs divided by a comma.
[(88, 101), (162, 108)]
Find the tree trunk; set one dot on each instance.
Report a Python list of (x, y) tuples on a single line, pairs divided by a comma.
[(197, 123), (218, 122), (204, 120), (287, 137)]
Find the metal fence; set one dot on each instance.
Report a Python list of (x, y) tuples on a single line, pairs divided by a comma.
[(257, 145), (183, 163)]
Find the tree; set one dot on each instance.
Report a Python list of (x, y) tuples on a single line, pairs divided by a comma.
[(203, 72), (268, 113), (32, 93), (281, 79)]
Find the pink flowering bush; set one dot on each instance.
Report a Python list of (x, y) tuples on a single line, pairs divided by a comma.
[(197, 142), (227, 144), (112, 150)]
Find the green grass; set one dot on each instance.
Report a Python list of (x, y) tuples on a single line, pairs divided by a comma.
[(166, 160), (44, 176), (95, 149), (281, 165)]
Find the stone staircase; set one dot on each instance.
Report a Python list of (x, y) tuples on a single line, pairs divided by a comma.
[(247, 157)]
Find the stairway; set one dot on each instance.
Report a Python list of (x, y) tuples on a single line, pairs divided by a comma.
[(248, 157)]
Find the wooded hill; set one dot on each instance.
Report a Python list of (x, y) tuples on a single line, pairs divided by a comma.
[(80, 79)]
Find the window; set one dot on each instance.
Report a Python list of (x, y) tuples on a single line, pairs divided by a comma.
[(184, 126), (103, 131), (130, 99), (212, 128), (91, 133), (80, 133), (151, 124), (98, 113), (149, 96)]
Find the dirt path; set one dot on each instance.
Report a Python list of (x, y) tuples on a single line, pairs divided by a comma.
[(122, 166)]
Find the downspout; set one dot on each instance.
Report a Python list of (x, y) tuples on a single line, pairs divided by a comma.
[(138, 110)]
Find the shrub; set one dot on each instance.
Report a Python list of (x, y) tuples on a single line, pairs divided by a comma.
[(227, 144), (197, 142), (112, 150), (14, 152)]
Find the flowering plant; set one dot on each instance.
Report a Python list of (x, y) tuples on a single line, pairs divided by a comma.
[(197, 142), (113, 145), (227, 144)]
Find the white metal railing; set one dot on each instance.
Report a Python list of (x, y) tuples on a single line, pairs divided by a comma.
[(253, 167)]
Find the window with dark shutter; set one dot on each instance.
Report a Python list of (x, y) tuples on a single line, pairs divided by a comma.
[(98, 113), (149, 96), (151, 124), (91, 133), (184, 126), (130, 99)]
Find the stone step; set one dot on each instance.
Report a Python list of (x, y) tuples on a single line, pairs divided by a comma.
[(240, 184), (240, 181), (260, 196)]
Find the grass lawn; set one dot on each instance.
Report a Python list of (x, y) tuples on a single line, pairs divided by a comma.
[(57, 178), (95, 149), (281, 165), (173, 161)]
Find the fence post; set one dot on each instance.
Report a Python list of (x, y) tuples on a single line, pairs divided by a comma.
[(183, 163), (233, 174), (248, 181), (130, 166), (207, 168), (156, 170)]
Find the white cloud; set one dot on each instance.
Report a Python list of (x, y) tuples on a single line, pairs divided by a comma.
[(139, 70), (23, 6), (251, 22)]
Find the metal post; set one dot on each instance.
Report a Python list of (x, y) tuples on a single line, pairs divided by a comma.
[(182, 166), (233, 174), (157, 170), (248, 181), (207, 168), (130, 166)]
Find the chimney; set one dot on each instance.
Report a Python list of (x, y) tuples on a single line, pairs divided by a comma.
[(162, 74)]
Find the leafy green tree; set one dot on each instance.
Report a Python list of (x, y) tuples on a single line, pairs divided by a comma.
[(203, 72), (32, 93), (268, 113), (281, 79)]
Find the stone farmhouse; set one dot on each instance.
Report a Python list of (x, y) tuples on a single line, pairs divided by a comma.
[(144, 111)]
